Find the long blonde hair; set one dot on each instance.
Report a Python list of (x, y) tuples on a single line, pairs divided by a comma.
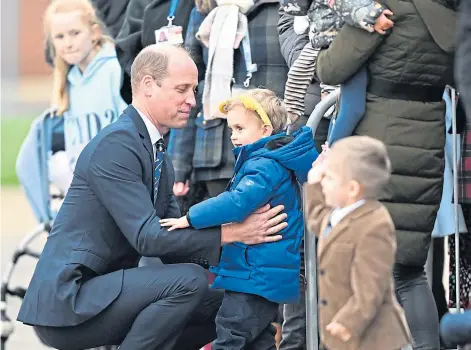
[(60, 94)]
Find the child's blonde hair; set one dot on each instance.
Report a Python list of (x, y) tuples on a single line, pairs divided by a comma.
[(365, 160), (271, 104), (60, 95)]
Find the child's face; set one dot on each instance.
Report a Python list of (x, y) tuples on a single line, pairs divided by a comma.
[(246, 127), (73, 38), (338, 191)]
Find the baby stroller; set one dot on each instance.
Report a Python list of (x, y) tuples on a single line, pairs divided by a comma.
[(46, 136)]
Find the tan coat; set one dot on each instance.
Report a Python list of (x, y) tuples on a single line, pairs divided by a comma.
[(355, 283)]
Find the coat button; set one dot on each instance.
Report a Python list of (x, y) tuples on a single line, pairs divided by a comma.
[(323, 302), (322, 272), (204, 122)]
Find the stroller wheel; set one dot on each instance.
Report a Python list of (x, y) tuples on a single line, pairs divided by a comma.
[(7, 325)]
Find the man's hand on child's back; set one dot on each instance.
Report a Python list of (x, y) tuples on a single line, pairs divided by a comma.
[(175, 223), (339, 331), (383, 23)]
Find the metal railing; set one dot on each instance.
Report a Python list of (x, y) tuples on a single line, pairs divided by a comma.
[(312, 332)]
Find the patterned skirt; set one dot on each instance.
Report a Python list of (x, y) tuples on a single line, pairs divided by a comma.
[(465, 264), (464, 174)]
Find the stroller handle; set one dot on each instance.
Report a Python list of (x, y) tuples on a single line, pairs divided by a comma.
[(321, 108)]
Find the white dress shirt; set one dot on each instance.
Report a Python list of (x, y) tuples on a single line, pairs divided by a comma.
[(339, 213), (152, 130)]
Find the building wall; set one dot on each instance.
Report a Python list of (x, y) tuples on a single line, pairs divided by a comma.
[(31, 38)]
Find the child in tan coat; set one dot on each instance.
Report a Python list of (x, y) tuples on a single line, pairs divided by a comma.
[(357, 306)]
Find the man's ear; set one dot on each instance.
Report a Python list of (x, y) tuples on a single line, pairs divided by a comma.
[(147, 85)]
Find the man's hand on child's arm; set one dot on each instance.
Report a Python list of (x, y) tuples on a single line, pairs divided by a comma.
[(175, 223), (339, 331), (383, 23)]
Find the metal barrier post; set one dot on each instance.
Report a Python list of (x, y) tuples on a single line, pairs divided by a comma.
[(312, 332), (455, 198)]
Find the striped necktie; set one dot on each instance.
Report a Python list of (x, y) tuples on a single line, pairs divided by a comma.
[(159, 160)]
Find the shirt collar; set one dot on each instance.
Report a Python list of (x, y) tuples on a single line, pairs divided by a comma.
[(154, 134), (339, 213)]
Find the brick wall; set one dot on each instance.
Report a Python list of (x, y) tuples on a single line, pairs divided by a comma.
[(31, 38)]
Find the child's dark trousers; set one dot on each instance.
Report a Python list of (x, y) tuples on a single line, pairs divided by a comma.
[(244, 322)]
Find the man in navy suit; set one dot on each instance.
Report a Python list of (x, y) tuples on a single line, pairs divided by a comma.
[(87, 290)]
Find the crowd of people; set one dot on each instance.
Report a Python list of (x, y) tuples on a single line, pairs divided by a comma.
[(181, 165)]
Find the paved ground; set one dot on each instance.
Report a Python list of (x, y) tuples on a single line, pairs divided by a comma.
[(16, 221)]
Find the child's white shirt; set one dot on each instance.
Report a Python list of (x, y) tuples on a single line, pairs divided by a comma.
[(339, 213)]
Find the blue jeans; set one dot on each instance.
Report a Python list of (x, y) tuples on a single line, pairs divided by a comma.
[(244, 322), (352, 107), (414, 294)]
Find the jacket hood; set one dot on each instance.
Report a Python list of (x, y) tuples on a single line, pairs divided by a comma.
[(295, 152), (442, 31), (75, 77)]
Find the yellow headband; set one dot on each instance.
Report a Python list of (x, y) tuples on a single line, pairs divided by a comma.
[(251, 104)]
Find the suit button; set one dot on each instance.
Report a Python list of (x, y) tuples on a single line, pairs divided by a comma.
[(322, 272), (323, 302), (204, 122)]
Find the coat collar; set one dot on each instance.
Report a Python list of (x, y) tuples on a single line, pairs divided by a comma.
[(141, 129), (344, 224), (442, 31)]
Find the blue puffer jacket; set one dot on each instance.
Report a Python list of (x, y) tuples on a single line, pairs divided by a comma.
[(266, 171)]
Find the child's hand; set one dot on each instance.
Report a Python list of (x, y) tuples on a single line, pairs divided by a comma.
[(175, 223), (325, 152), (316, 174), (383, 23), (339, 331)]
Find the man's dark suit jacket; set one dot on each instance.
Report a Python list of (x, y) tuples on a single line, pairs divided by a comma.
[(106, 223)]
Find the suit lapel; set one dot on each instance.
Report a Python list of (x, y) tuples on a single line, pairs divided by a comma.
[(144, 135), (343, 225), (141, 129)]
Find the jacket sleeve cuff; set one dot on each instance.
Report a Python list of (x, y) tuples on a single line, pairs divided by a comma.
[(182, 176), (189, 219)]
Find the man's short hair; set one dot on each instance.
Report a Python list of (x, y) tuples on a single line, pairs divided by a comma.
[(152, 60), (365, 160)]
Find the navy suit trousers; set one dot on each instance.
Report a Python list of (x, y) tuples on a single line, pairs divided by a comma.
[(151, 312)]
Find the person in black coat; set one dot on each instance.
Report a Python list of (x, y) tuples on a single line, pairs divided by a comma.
[(463, 56), (142, 18)]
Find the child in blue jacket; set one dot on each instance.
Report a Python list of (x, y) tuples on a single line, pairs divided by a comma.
[(269, 167)]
